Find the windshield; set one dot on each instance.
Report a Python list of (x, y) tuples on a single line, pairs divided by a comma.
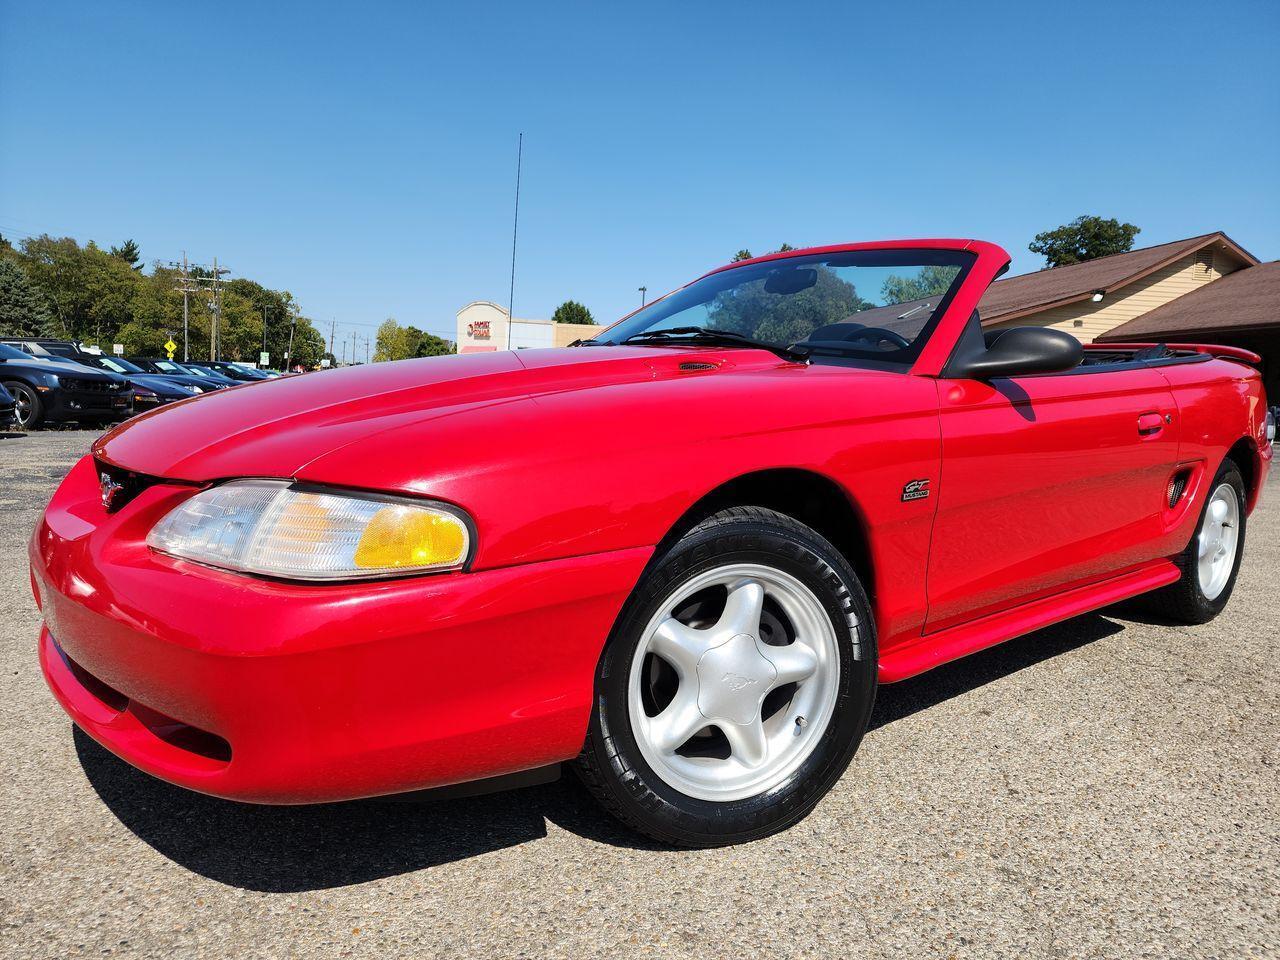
[(11, 353), (870, 304), (168, 366), (116, 364)]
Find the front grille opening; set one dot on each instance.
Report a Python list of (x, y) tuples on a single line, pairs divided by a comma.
[(184, 736), (1178, 486), (177, 734), (131, 484)]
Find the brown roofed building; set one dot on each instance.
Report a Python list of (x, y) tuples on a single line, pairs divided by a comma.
[(1240, 310), (1089, 299)]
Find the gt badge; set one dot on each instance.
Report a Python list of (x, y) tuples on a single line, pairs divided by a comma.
[(915, 490)]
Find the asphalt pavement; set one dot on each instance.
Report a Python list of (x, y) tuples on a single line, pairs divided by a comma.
[(1104, 788)]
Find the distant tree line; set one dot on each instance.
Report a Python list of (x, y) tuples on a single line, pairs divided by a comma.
[(396, 342), (57, 288)]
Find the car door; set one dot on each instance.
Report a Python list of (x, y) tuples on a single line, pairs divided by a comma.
[(1047, 482)]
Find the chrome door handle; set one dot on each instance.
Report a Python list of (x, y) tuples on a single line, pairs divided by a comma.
[(1149, 424)]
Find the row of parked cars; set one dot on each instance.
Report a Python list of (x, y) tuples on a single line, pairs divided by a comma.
[(46, 381)]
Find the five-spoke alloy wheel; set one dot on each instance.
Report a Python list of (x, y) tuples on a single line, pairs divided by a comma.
[(737, 683), (733, 682)]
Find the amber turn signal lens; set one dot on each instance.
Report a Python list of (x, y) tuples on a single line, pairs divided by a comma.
[(397, 537)]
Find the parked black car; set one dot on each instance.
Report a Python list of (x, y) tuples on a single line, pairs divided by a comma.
[(149, 390), (8, 409), (61, 391), (171, 368), (163, 389), (237, 372)]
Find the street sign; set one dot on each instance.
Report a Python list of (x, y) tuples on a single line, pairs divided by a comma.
[(118, 349), (324, 363), (264, 359), (169, 347)]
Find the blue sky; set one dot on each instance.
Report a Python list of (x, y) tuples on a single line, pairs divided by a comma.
[(362, 155)]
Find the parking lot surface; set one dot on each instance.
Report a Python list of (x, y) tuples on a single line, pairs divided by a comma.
[(1104, 788)]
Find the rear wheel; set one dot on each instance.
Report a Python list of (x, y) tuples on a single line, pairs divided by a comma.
[(1211, 560), (736, 686), (28, 410)]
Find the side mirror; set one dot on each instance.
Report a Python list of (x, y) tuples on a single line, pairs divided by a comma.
[(1018, 352)]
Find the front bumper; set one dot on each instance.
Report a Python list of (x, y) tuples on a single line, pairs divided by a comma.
[(63, 404), (285, 693)]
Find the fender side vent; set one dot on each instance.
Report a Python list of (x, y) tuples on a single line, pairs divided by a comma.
[(1178, 486), (692, 365)]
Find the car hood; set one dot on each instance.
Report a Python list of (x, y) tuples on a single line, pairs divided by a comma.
[(165, 386), (64, 368), (279, 426)]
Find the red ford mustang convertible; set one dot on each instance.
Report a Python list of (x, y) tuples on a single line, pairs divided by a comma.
[(683, 554)]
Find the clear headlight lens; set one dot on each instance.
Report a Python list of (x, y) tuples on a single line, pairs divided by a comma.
[(277, 529)]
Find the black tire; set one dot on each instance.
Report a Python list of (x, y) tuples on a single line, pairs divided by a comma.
[(611, 764), (25, 395), (1184, 601)]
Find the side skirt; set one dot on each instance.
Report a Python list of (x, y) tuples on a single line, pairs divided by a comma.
[(935, 649)]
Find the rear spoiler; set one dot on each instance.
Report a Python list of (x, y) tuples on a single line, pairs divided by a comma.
[(1225, 353)]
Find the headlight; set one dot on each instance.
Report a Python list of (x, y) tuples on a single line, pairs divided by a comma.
[(194, 389), (279, 529)]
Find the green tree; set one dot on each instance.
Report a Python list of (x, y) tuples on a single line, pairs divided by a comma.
[(88, 290), (129, 253), (1084, 238), (429, 345), (23, 312), (309, 346), (929, 281), (745, 254), (394, 342), (752, 310), (571, 311), (144, 340)]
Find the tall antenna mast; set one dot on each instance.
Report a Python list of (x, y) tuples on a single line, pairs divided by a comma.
[(515, 228)]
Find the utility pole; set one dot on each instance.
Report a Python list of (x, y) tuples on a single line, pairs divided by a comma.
[(264, 330), (353, 347), (188, 286), (515, 227), (288, 354), (333, 327), (366, 349), (643, 291), (217, 311)]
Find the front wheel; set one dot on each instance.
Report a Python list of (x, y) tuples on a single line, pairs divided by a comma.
[(736, 686), (28, 410)]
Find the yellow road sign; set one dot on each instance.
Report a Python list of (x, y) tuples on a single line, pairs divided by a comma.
[(170, 347)]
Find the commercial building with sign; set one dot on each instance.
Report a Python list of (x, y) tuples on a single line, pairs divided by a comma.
[(484, 326)]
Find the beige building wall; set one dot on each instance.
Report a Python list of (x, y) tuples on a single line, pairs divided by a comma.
[(566, 333), (482, 327), (1086, 320)]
